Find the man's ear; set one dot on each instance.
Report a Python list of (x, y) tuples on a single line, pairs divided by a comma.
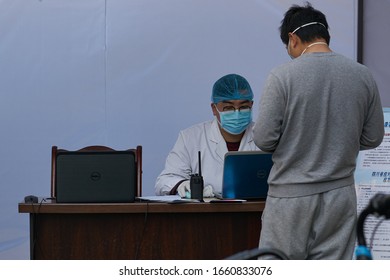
[(294, 40), (215, 113)]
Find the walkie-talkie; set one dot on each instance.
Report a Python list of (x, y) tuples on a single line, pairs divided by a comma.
[(196, 183)]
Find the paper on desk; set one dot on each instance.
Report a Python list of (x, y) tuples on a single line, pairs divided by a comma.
[(168, 199), (160, 198)]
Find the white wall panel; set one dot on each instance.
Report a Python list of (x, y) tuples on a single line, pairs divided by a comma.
[(121, 73), (376, 23)]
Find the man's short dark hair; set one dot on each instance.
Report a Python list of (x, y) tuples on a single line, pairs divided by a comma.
[(297, 16)]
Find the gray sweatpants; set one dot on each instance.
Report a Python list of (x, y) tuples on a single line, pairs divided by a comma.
[(320, 226)]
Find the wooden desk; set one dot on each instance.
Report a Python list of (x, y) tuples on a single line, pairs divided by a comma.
[(142, 230)]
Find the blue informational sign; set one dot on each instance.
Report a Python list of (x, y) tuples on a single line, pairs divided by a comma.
[(373, 176)]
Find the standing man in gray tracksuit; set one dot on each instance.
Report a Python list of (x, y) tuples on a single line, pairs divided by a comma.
[(316, 113)]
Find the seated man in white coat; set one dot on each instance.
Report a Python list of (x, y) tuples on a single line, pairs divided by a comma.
[(230, 130)]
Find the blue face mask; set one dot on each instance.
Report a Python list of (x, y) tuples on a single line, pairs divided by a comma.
[(235, 122)]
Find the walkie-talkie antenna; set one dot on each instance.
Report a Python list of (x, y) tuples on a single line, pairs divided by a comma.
[(200, 166)]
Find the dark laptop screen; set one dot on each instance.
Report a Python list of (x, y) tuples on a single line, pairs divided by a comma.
[(98, 176)]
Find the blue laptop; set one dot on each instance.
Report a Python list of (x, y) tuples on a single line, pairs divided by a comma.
[(245, 175)]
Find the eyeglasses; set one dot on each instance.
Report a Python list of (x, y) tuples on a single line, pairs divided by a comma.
[(239, 109)]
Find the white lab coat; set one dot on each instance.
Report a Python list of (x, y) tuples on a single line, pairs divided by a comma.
[(182, 161)]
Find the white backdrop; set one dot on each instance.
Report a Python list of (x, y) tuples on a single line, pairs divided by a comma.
[(123, 73)]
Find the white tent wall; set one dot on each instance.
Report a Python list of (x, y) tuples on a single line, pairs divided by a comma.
[(123, 73)]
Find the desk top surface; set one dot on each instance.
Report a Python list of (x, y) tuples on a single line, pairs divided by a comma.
[(49, 206)]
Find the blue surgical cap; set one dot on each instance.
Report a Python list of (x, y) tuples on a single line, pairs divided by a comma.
[(231, 87)]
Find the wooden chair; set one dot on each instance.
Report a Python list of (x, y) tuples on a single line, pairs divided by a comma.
[(138, 159)]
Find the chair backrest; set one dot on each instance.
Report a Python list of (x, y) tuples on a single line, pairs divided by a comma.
[(138, 162)]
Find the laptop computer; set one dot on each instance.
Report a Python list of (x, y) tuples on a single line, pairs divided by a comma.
[(245, 175), (95, 176)]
